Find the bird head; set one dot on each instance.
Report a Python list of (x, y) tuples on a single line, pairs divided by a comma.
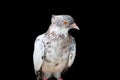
[(64, 22)]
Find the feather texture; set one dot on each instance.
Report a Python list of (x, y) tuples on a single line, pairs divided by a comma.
[(55, 50), (38, 52)]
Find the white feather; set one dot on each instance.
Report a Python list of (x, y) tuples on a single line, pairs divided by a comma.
[(72, 53), (38, 52)]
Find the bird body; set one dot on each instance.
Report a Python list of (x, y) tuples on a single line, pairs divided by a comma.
[(55, 50)]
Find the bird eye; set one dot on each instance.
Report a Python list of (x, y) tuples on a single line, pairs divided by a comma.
[(65, 22)]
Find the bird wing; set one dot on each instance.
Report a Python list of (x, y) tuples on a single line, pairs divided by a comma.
[(72, 52), (38, 52)]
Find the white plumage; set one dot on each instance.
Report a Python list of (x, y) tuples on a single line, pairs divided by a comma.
[(55, 50)]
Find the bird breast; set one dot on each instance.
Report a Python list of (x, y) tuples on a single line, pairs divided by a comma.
[(56, 54), (56, 49)]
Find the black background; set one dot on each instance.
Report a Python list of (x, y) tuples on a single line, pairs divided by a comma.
[(93, 59)]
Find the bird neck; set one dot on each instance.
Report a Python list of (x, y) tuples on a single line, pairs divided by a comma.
[(57, 30)]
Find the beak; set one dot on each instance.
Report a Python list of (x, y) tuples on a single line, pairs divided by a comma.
[(75, 26)]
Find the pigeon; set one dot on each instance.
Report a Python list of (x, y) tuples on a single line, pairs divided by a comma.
[(55, 50)]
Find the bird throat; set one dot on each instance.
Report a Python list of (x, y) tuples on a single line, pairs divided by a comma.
[(57, 32), (57, 35)]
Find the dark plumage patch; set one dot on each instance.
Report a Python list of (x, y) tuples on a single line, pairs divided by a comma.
[(72, 48), (71, 56), (66, 51), (64, 59), (47, 42), (42, 57), (39, 75), (47, 60), (61, 36), (56, 64)]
